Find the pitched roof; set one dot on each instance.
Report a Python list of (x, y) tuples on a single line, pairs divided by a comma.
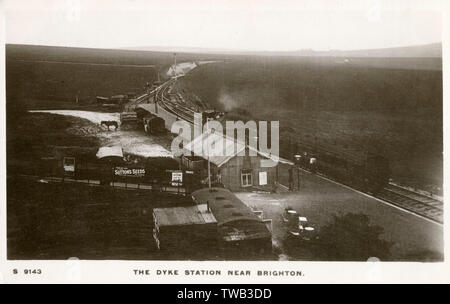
[(236, 221), (219, 145), (178, 216), (109, 151), (225, 206)]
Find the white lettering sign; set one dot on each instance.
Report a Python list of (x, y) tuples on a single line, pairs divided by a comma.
[(177, 178), (263, 178), (121, 171)]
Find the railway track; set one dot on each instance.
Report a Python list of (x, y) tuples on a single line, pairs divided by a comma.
[(414, 202), (130, 106), (171, 102), (164, 98)]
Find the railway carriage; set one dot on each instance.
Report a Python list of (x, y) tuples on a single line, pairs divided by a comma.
[(370, 173)]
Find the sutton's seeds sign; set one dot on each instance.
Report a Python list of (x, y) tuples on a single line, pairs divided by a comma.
[(132, 172)]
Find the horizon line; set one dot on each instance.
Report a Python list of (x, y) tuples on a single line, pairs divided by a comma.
[(140, 48)]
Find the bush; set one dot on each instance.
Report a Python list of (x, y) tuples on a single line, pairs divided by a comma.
[(351, 238)]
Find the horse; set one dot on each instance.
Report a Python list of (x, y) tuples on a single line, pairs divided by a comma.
[(109, 123)]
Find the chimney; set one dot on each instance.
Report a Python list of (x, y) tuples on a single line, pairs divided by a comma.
[(207, 207)]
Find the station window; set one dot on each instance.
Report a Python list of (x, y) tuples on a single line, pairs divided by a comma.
[(246, 178)]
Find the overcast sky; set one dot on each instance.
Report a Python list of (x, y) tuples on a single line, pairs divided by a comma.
[(240, 25)]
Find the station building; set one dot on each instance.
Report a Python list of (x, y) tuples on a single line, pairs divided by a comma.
[(238, 171)]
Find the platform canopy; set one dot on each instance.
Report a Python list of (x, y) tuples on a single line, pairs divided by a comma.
[(114, 151)]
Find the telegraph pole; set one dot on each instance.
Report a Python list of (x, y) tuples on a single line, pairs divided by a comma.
[(175, 65), (209, 165), (209, 173), (159, 79)]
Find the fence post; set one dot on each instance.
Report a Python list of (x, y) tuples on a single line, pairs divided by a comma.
[(112, 175), (277, 179), (63, 172), (88, 174)]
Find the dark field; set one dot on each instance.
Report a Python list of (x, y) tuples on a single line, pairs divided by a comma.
[(52, 77), (59, 221), (391, 106), (25, 146)]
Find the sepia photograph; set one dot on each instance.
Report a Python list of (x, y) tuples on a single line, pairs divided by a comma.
[(220, 131)]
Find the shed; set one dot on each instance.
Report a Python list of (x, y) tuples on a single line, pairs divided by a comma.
[(238, 226), (152, 123), (180, 228), (118, 98), (244, 168), (101, 99)]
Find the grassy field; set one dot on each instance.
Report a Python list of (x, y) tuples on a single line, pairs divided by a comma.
[(52, 77), (31, 136), (326, 84), (59, 221)]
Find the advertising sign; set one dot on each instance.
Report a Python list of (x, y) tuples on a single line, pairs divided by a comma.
[(69, 165), (177, 178), (129, 172), (263, 178)]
